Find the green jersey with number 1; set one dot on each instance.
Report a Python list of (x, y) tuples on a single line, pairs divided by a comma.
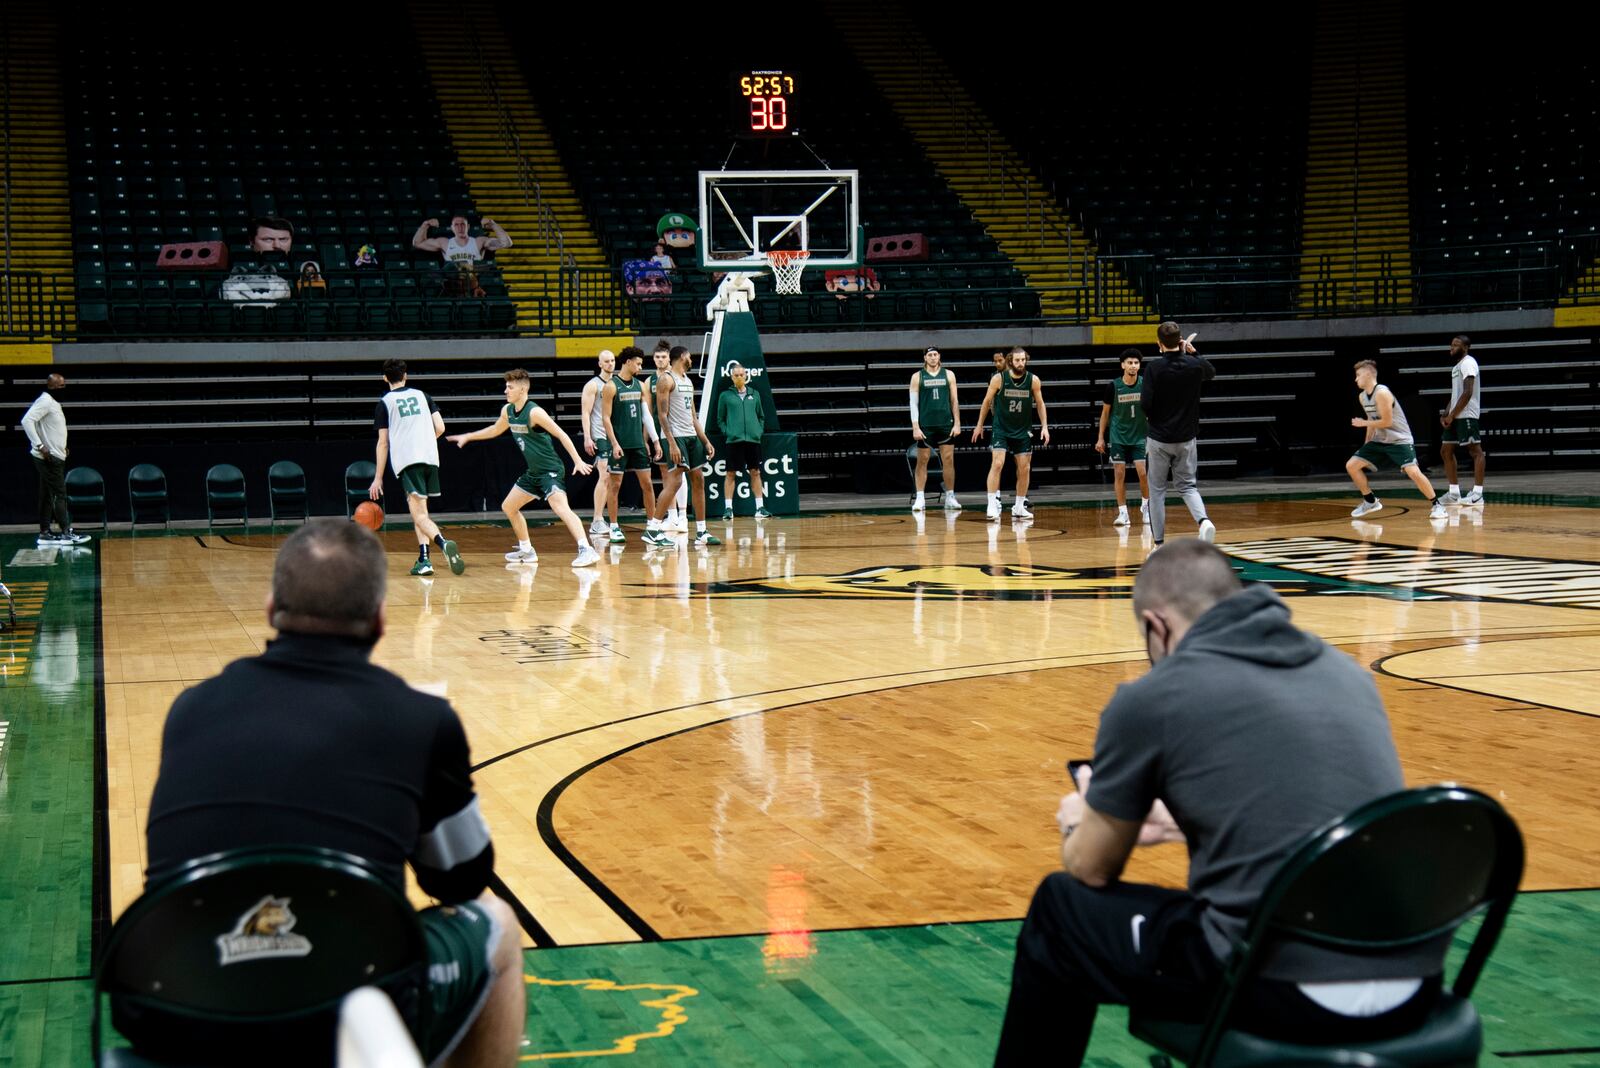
[(933, 399)]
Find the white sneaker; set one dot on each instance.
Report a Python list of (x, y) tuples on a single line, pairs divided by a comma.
[(1208, 531), (586, 557), (1144, 512), (1449, 498), (678, 524), (919, 504), (1019, 509), (1438, 511), (1122, 517), (950, 502), (1367, 508), (617, 536), (1475, 498), (994, 509), (522, 556), (599, 526)]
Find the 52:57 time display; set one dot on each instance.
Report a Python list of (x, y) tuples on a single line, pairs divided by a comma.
[(763, 103), (766, 85)]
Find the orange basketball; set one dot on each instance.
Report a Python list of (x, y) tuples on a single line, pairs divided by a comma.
[(369, 515)]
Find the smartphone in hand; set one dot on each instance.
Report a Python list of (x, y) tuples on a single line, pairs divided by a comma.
[(1072, 770)]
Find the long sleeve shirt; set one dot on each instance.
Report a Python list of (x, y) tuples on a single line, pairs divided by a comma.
[(46, 427)]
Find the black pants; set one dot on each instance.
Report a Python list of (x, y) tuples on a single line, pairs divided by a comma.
[(1081, 948), (52, 492)]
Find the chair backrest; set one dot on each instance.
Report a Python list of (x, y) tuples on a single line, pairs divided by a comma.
[(85, 483), (148, 477), (254, 949), (1401, 871), (286, 475), (224, 477), (359, 475)]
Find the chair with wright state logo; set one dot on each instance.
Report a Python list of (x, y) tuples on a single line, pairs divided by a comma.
[(245, 957)]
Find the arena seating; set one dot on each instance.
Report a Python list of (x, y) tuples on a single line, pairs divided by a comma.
[(180, 133)]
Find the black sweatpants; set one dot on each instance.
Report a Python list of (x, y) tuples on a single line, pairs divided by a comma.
[(52, 492), (1131, 944)]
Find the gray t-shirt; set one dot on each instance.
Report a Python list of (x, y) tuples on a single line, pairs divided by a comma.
[(1254, 733)]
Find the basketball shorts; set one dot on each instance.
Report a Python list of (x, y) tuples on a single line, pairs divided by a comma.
[(1379, 455), (1126, 453), (936, 435), (460, 941), (631, 459), (542, 483), (603, 451), (420, 480), (1462, 432), (1016, 444), (742, 455), (694, 453)]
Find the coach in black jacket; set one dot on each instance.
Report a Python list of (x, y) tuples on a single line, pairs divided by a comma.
[(310, 744), (1171, 399)]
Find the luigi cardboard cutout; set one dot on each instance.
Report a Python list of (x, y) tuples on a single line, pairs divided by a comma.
[(677, 231)]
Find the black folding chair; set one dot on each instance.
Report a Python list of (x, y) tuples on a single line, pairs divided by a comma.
[(244, 957), (1402, 871)]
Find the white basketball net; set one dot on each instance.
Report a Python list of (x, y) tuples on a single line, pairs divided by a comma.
[(787, 267)]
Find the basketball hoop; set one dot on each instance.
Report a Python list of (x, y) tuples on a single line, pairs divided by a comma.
[(787, 266)]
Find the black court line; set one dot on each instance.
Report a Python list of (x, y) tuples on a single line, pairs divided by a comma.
[(1547, 1052), (100, 895), (1378, 667), (198, 540), (546, 814), (51, 979), (529, 923), (784, 689)]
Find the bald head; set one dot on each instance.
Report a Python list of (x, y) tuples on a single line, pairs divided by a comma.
[(1186, 577), (54, 382)]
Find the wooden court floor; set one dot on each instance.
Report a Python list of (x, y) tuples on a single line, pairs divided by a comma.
[(782, 802), (859, 720)]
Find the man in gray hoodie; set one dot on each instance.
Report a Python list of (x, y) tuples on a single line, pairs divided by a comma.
[(1246, 734)]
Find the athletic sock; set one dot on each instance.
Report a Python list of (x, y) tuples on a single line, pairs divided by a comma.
[(438, 539), (525, 545), (760, 504), (700, 526), (422, 551), (1370, 498), (1455, 489)]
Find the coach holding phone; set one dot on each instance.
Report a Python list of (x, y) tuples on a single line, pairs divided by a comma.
[(1171, 400)]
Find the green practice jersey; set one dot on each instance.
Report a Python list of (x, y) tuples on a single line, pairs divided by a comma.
[(627, 413), (538, 451), (933, 399), (1128, 424), (1014, 405)]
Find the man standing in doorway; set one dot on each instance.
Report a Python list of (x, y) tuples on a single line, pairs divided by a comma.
[(1171, 399), (1019, 393), (46, 427), (409, 427), (1460, 422)]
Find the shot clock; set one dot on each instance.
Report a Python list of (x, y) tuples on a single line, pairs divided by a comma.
[(763, 103)]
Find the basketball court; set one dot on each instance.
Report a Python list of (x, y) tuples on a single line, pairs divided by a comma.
[(827, 754)]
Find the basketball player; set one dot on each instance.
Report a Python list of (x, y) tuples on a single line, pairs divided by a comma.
[(934, 403), (1388, 443), (627, 423), (677, 521), (1020, 393), (596, 444), (1460, 422), (688, 449), (532, 428), (1123, 411), (409, 426)]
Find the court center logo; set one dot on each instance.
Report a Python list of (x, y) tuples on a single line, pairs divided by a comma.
[(263, 932)]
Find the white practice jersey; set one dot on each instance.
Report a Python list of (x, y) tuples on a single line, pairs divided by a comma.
[(1398, 432), (597, 414), (1466, 368), (680, 412), (407, 414)]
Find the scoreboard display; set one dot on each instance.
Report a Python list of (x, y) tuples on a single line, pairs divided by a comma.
[(763, 103)]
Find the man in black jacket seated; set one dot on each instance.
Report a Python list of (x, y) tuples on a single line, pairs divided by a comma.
[(310, 744), (1246, 734)]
